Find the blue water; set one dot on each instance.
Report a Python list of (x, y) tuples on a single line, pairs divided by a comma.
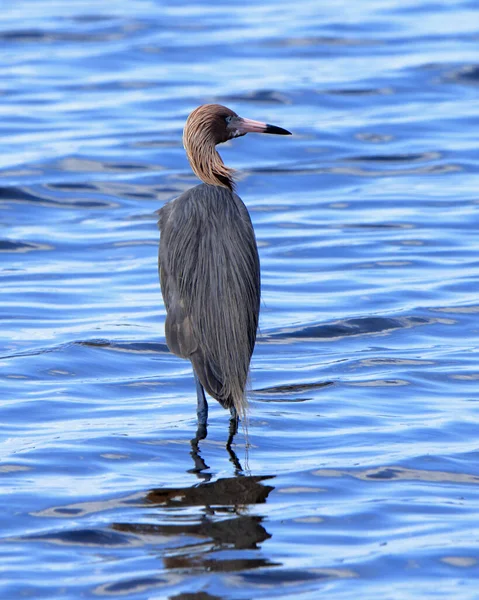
[(362, 475)]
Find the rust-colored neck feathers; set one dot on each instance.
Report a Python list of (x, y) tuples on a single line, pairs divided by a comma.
[(206, 126)]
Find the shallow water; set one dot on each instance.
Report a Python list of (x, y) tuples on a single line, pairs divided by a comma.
[(362, 476)]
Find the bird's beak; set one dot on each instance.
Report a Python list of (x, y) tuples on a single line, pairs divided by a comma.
[(244, 126)]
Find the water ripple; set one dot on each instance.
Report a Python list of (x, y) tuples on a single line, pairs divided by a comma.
[(358, 475)]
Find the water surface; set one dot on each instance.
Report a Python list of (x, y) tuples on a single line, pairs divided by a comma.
[(362, 475)]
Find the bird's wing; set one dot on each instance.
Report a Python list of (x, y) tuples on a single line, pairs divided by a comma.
[(178, 330)]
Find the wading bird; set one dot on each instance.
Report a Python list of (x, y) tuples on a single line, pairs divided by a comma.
[(209, 265)]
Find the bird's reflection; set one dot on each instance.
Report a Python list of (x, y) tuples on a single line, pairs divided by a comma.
[(227, 497), (192, 540), (200, 465), (222, 521), (195, 525)]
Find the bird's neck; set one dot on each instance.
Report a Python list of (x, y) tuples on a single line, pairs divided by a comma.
[(207, 163)]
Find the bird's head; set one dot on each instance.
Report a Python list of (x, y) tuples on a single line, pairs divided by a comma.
[(212, 124)]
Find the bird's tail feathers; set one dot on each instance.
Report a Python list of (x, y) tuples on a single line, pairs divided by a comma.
[(222, 383)]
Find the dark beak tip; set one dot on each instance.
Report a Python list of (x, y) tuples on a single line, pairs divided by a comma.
[(276, 130)]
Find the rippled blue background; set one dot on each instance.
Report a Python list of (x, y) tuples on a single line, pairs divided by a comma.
[(362, 478)]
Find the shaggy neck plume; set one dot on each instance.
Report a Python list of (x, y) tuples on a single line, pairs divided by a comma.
[(199, 141)]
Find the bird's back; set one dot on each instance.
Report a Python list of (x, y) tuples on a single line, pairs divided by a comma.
[(210, 280)]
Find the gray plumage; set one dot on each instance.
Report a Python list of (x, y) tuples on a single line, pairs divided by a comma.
[(210, 280)]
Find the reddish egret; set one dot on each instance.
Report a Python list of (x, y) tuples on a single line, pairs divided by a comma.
[(209, 265)]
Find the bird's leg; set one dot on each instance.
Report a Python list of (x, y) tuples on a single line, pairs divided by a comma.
[(234, 419), (202, 407)]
